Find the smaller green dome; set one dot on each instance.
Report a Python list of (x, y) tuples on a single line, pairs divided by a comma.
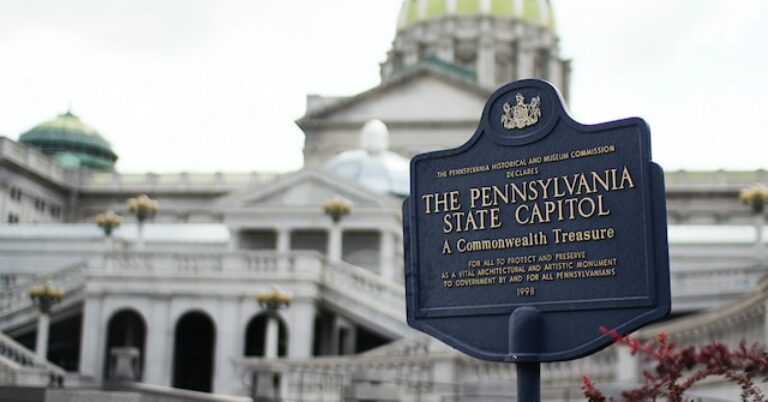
[(538, 12), (71, 143)]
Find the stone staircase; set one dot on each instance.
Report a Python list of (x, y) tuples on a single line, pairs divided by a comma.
[(16, 307), (21, 367)]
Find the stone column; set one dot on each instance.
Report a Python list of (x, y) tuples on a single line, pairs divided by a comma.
[(627, 365), (283, 240), (228, 344), (140, 242), (271, 337), (41, 344), (334, 243), (301, 326), (92, 339), (410, 54), (486, 61), (765, 323), (158, 359), (387, 255), (234, 239), (525, 60), (556, 72), (445, 45)]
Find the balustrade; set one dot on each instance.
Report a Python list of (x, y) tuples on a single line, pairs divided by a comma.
[(327, 378), (16, 359)]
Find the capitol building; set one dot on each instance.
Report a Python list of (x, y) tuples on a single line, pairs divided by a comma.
[(267, 287)]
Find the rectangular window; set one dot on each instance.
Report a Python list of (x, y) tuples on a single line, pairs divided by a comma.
[(15, 194), (13, 218)]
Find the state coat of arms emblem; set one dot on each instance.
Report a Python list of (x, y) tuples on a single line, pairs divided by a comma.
[(522, 114)]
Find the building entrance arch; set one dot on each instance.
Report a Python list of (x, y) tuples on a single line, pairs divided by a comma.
[(193, 352)]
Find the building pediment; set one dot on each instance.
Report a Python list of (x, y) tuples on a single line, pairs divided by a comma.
[(306, 188), (425, 94)]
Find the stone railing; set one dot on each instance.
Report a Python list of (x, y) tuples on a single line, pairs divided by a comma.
[(20, 366), (33, 160), (682, 179), (16, 298), (742, 319), (366, 287), (158, 393), (172, 263), (210, 263), (447, 376), (696, 288), (216, 182)]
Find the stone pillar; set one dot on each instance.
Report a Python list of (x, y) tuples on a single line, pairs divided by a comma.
[(555, 72), (486, 61), (158, 359), (283, 240), (228, 344), (92, 339), (301, 325), (445, 45), (334, 243), (234, 239), (41, 344), (525, 58), (140, 243), (271, 338), (628, 366), (765, 323), (387, 255), (410, 54)]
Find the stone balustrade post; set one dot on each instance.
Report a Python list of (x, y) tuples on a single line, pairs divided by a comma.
[(628, 366), (387, 255)]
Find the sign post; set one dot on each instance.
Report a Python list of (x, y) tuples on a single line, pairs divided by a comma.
[(526, 241)]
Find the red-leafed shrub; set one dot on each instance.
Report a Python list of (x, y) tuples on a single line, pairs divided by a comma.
[(675, 370)]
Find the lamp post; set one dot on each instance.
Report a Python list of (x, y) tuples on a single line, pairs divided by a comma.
[(44, 296), (336, 207), (273, 300), (144, 208), (108, 222), (756, 196)]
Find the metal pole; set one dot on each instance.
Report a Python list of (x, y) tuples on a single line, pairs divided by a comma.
[(525, 331), (528, 382)]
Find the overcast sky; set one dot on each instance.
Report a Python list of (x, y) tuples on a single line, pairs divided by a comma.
[(204, 85)]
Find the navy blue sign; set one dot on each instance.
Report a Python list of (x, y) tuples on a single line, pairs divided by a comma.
[(539, 231)]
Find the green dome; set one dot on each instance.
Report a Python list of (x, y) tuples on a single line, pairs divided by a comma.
[(72, 143), (538, 12)]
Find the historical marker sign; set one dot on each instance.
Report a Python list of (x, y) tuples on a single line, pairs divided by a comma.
[(539, 231)]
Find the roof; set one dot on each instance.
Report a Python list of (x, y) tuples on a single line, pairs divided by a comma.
[(461, 80)]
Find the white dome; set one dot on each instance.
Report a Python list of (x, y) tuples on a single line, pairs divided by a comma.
[(373, 167)]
